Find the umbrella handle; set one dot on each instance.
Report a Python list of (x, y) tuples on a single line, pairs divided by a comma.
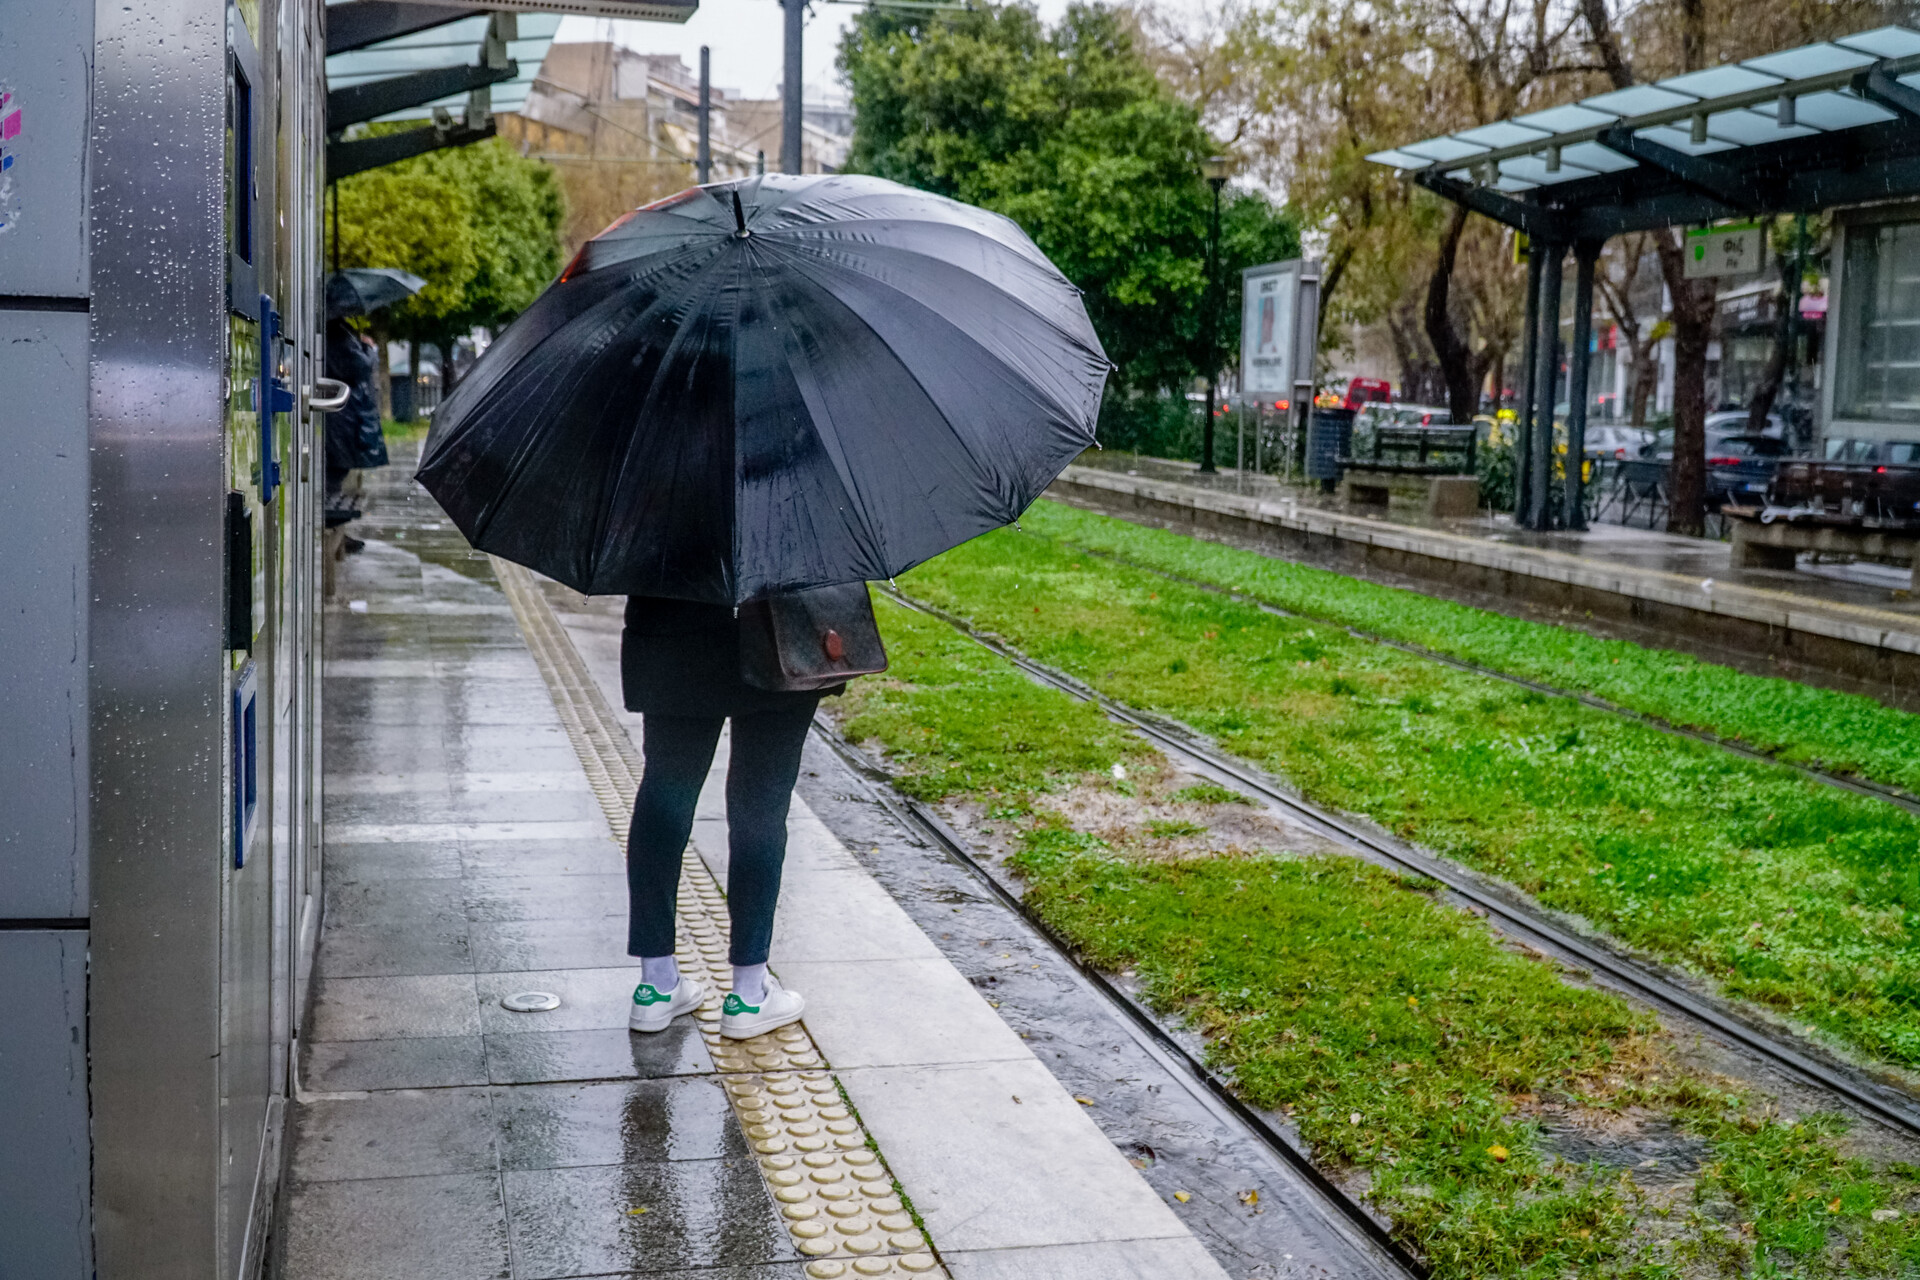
[(328, 394)]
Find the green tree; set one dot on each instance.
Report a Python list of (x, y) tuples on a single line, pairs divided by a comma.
[(480, 224), (1068, 132)]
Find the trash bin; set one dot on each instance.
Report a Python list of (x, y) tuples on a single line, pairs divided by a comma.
[(1329, 439)]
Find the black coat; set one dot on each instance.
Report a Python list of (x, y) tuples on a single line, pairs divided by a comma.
[(682, 658), (353, 430)]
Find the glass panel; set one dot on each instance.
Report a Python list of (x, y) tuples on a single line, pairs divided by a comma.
[(1444, 149), (1566, 119), (1879, 344), (1719, 81), (1903, 452), (1504, 134), (1681, 140), (1751, 128), (1886, 42), (1813, 60), (1637, 101), (1836, 450), (1398, 159), (1591, 155), (1838, 111)]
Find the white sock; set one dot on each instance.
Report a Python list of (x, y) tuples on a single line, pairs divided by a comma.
[(750, 982), (662, 973)]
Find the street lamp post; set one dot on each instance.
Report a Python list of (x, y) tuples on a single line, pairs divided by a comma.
[(1217, 170)]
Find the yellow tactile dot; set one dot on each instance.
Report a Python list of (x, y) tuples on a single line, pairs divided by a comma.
[(808, 1230), (834, 1192), (763, 1131), (895, 1222), (799, 1212), (842, 1126), (826, 1175), (872, 1266), (819, 1160), (817, 1246), (849, 1141), (851, 1226), (826, 1269), (777, 1162), (783, 1177), (767, 1146), (906, 1240), (833, 1113), (847, 1210), (861, 1244), (917, 1262)]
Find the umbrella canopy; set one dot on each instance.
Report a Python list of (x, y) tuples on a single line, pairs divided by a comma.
[(767, 385), (360, 290)]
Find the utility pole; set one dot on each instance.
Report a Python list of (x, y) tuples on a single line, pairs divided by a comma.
[(796, 12), (1216, 170), (704, 164)]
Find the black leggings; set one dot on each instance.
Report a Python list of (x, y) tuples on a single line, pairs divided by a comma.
[(761, 770)]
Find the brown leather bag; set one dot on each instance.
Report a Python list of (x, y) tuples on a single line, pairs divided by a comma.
[(813, 639)]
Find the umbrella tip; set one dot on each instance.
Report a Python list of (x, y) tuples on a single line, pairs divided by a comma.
[(739, 218)]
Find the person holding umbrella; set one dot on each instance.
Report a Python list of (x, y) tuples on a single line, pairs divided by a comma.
[(736, 407), (354, 440)]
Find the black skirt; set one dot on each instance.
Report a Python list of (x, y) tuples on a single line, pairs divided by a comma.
[(682, 658)]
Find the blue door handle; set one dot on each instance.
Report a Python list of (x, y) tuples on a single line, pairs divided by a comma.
[(271, 396)]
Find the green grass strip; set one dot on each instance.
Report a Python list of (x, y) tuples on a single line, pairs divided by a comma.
[(1410, 1047), (1794, 895), (1843, 732)]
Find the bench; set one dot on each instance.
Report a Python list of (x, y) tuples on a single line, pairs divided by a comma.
[(1777, 545), (1436, 463)]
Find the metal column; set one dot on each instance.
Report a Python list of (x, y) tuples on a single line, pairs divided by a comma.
[(1523, 420), (703, 164), (1546, 380), (1585, 254), (791, 155)]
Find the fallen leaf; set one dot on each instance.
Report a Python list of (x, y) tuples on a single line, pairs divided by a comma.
[(1833, 1205), (633, 1212), (1083, 1100), (1252, 1197), (1016, 1098), (1182, 1196), (1499, 1153)]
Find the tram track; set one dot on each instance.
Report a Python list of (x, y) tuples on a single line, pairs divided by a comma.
[(1520, 919), (1843, 782), (1376, 1236)]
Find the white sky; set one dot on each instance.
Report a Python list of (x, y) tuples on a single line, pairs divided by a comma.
[(745, 37)]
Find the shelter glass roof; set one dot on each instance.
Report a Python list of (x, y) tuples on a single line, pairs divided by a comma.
[(1793, 94), (456, 44)]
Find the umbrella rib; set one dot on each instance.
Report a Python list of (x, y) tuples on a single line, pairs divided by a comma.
[(1038, 393), (960, 439)]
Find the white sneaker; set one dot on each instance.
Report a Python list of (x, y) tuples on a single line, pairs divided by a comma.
[(653, 1010), (742, 1021)]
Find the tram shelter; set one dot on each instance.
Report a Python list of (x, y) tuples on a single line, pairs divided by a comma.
[(1821, 127)]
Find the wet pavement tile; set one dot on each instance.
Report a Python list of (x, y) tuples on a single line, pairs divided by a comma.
[(508, 758), (489, 858), (389, 860), (397, 1134), (442, 1227), (579, 897), (393, 949), (343, 1066), (695, 1213), (424, 1006), (602, 1053), (589, 998), (526, 806), (414, 901), (354, 754), (551, 1126), (507, 946), (377, 807)]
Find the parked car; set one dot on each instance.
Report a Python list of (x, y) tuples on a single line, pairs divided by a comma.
[(1605, 441), (1898, 453), (1739, 466), (1734, 422)]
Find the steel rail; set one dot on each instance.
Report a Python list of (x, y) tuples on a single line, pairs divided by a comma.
[(1859, 786), (1890, 1105), (1140, 1021)]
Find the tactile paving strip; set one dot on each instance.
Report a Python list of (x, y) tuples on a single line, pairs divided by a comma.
[(837, 1197)]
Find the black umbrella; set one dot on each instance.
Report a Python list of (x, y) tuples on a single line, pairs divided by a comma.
[(360, 290), (760, 386)]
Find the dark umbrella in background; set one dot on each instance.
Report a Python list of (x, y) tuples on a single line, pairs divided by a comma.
[(360, 291), (767, 385)]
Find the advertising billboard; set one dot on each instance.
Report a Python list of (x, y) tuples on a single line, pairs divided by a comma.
[(1279, 323)]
